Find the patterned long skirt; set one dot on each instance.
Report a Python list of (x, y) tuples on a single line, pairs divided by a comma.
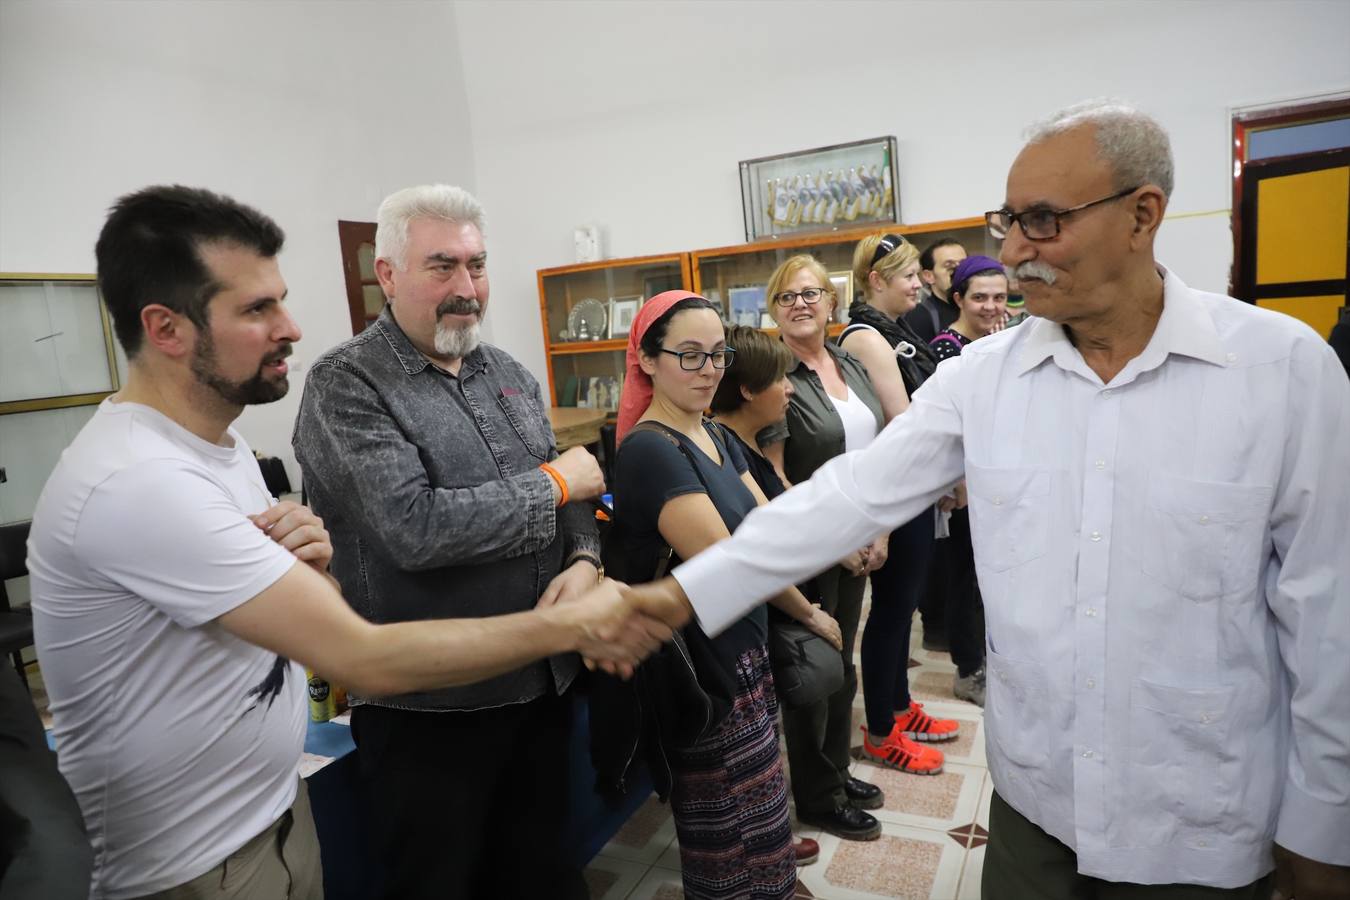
[(729, 799)]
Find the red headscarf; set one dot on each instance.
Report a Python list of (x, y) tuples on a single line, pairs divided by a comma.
[(637, 384)]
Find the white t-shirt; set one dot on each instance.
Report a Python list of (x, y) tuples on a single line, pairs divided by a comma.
[(180, 741), (860, 425)]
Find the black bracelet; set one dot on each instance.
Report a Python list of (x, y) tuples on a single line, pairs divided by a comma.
[(586, 556)]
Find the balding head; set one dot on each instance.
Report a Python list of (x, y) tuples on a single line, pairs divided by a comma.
[(1132, 143)]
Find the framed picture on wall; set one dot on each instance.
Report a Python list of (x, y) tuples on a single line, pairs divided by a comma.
[(622, 311), (842, 282), (746, 304)]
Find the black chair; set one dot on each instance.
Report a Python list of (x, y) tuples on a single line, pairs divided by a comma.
[(16, 625)]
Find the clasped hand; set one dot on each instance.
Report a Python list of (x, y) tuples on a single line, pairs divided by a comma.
[(619, 626)]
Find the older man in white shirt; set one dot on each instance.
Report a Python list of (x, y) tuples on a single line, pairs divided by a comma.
[(1159, 501)]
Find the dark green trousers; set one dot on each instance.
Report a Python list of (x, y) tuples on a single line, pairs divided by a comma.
[(818, 737), (1022, 861)]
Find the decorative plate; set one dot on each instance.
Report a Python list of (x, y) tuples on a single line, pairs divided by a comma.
[(587, 320)]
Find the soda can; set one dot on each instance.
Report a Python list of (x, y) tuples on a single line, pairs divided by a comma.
[(322, 706)]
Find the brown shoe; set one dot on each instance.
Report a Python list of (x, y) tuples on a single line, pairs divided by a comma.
[(806, 850)]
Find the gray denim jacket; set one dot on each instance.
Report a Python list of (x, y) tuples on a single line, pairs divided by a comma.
[(430, 487)]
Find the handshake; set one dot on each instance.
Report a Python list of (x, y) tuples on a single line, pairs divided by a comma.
[(615, 626)]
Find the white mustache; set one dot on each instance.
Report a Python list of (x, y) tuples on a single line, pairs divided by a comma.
[(1035, 269)]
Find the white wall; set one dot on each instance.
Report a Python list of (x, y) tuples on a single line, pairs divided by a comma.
[(634, 115), (310, 111)]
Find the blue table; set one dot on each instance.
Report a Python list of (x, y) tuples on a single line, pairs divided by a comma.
[(349, 870)]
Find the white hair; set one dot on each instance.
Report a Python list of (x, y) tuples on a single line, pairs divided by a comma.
[(427, 201), (1132, 143)]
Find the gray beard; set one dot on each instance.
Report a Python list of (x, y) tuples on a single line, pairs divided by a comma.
[(456, 343)]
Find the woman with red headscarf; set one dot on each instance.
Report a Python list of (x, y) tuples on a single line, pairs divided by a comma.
[(681, 483)]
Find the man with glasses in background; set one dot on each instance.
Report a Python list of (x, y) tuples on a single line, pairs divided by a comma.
[(1158, 502)]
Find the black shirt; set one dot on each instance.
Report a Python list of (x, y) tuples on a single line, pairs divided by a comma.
[(650, 470), (921, 317), (948, 343)]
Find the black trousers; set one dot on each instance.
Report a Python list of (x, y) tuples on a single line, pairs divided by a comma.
[(896, 589), (1023, 861), (43, 848), (818, 737), (470, 804), (965, 607)]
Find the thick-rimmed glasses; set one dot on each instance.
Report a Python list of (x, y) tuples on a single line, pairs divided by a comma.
[(789, 298), (694, 360), (1040, 224)]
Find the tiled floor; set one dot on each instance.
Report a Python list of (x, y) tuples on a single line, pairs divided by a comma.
[(933, 828)]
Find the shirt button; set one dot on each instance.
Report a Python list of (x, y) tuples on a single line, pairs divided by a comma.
[(1232, 357), (1202, 842), (1204, 520), (1101, 464), (1096, 535), (1092, 682), (1088, 754), (998, 501), (1204, 718), (1091, 611), (1106, 393)]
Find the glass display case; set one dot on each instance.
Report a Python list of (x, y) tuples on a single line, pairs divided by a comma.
[(735, 277), (586, 311), (836, 188)]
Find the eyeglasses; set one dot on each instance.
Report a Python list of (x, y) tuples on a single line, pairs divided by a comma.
[(1040, 224), (788, 298), (694, 360)]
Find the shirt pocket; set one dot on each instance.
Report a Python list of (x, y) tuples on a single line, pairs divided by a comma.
[(528, 422), (1015, 711), (1178, 740), (1009, 515), (1202, 539)]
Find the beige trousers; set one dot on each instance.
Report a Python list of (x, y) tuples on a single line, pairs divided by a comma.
[(280, 863)]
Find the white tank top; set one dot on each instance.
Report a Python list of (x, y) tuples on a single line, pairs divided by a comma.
[(860, 426)]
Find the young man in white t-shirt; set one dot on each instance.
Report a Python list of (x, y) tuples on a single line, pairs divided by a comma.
[(171, 592)]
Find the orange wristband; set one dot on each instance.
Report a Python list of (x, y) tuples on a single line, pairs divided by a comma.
[(558, 480)]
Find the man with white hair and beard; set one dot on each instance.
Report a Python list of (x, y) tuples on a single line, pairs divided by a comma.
[(1158, 502), (430, 456)]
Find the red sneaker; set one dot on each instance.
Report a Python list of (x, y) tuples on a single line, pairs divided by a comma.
[(919, 726), (899, 752), (806, 850)]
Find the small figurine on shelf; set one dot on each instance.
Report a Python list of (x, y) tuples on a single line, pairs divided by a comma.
[(583, 333)]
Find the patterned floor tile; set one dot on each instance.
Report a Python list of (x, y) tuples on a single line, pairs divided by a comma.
[(939, 802), (613, 879), (645, 836), (971, 870), (659, 884), (903, 863)]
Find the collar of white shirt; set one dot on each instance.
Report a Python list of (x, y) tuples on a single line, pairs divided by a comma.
[(1185, 328)]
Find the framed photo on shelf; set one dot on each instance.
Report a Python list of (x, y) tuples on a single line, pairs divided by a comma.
[(622, 311), (842, 282), (745, 304)]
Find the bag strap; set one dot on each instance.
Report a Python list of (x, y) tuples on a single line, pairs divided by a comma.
[(667, 552)]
